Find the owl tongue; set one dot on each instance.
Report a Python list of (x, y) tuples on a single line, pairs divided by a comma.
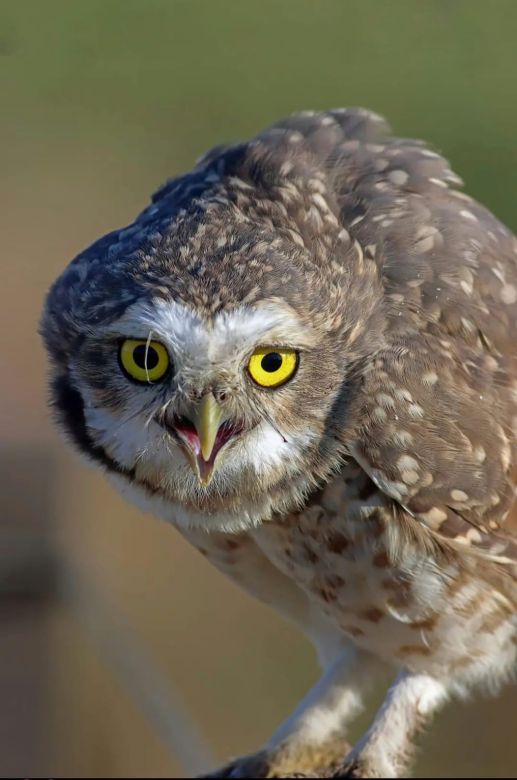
[(188, 433)]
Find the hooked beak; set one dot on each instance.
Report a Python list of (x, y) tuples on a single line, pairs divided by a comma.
[(207, 418), (203, 434)]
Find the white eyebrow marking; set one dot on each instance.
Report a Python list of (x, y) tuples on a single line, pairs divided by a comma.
[(189, 336)]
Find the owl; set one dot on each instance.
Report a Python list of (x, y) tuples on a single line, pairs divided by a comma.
[(302, 355)]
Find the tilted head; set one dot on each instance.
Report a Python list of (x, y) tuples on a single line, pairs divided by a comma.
[(207, 355)]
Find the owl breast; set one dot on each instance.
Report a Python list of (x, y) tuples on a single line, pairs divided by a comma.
[(383, 589)]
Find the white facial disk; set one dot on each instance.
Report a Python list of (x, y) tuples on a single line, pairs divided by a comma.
[(201, 349)]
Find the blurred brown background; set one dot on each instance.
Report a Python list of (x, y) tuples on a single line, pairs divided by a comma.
[(106, 617)]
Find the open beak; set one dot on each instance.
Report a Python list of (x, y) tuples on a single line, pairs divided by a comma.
[(203, 434)]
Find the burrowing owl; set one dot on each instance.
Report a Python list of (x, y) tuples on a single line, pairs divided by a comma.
[(302, 354)]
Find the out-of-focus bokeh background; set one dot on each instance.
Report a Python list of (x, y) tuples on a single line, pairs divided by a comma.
[(117, 641)]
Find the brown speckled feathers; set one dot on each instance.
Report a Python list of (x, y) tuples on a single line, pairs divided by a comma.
[(346, 207)]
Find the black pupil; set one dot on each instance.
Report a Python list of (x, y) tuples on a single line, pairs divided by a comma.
[(139, 354), (271, 362)]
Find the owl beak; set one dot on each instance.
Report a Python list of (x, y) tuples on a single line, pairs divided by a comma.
[(205, 430), (207, 418), (204, 434)]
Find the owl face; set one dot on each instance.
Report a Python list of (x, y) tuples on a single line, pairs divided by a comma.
[(208, 412), (208, 355)]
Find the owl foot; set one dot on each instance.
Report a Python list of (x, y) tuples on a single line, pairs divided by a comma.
[(354, 769), (287, 760), (363, 763), (253, 765)]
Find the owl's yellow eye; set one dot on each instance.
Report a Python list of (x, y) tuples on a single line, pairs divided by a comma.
[(144, 361), (272, 366)]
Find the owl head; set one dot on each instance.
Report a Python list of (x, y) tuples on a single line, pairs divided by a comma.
[(208, 355)]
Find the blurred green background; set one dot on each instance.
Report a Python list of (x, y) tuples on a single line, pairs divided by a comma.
[(100, 101)]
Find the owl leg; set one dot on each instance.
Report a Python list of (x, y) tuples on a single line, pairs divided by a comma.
[(312, 741), (386, 748)]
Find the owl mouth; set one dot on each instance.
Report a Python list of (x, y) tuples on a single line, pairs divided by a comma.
[(190, 440)]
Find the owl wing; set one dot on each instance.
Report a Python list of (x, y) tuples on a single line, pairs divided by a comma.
[(433, 423), (440, 397), (434, 438)]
